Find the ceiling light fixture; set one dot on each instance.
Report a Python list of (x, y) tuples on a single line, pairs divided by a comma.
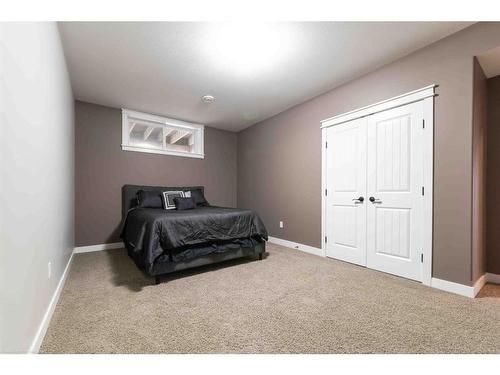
[(208, 98), (247, 49)]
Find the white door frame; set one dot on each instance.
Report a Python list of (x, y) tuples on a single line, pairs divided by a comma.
[(426, 95)]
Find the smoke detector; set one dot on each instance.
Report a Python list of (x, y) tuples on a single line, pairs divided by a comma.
[(208, 99)]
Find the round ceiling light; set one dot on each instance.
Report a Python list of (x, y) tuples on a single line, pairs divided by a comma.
[(208, 99), (251, 49)]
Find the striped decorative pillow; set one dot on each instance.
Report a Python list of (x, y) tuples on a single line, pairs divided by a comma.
[(168, 198)]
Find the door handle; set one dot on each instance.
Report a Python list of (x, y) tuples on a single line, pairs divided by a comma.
[(359, 200), (375, 200)]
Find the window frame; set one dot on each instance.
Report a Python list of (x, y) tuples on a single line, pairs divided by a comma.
[(199, 134)]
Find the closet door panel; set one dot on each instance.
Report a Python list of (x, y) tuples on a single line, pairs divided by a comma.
[(346, 185), (394, 183)]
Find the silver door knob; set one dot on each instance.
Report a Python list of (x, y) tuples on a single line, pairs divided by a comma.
[(359, 200), (375, 200)]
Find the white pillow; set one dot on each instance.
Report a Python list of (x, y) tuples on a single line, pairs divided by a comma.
[(187, 194), (168, 198)]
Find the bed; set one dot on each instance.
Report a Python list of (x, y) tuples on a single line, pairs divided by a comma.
[(162, 241)]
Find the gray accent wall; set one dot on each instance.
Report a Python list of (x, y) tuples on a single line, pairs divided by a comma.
[(479, 126), (279, 160), (102, 168), (493, 178)]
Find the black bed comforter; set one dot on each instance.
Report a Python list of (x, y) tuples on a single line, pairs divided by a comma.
[(152, 232)]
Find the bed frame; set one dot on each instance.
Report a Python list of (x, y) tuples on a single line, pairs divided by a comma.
[(129, 201)]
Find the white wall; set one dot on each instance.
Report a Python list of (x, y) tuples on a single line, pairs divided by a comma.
[(36, 177)]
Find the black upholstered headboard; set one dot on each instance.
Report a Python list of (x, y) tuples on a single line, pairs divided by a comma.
[(129, 192)]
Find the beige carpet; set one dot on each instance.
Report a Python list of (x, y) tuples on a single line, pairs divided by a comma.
[(290, 302)]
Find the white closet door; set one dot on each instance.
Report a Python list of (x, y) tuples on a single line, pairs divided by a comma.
[(346, 182), (394, 191)]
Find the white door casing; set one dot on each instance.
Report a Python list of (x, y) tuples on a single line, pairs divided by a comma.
[(399, 164), (346, 179)]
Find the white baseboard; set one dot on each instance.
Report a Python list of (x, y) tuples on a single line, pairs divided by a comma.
[(492, 278), (100, 247), (42, 329), (449, 286), (463, 290), (297, 246), (478, 285)]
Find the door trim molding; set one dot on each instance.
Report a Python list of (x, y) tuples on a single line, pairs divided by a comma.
[(397, 101), (428, 177), (426, 95), (323, 190)]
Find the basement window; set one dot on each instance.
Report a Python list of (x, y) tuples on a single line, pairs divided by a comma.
[(143, 132)]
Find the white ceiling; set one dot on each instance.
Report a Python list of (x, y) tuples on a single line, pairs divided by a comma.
[(254, 70), (490, 62)]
